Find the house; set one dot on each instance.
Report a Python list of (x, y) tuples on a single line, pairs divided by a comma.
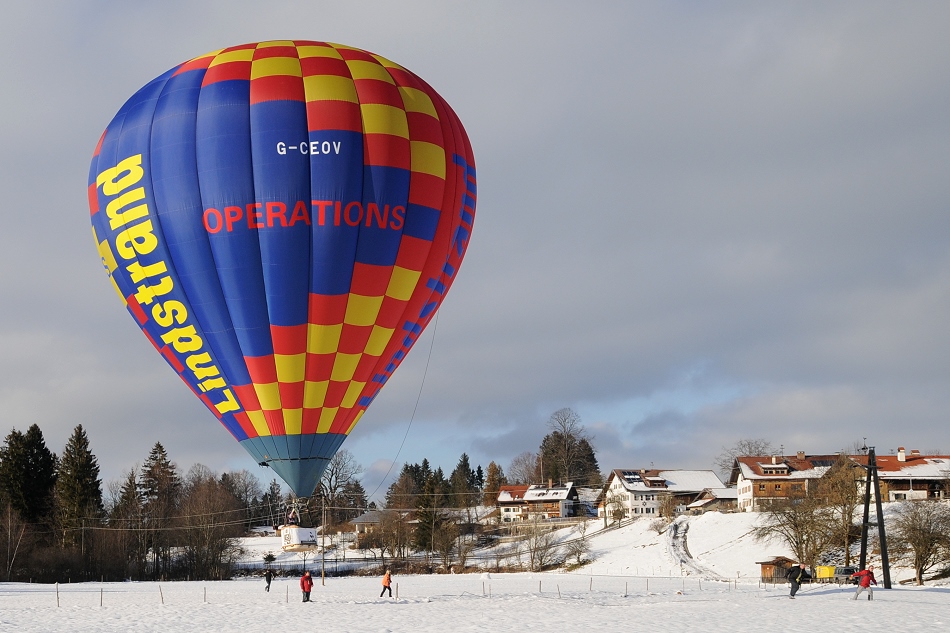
[(715, 500), (551, 501), (630, 492), (910, 475), (765, 479), (369, 522), (511, 504), (762, 480), (588, 500)]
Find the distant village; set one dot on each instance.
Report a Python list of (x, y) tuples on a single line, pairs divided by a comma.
[(756, 483)]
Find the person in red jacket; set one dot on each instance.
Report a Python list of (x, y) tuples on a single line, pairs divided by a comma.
[(306, 584), (867, 577)]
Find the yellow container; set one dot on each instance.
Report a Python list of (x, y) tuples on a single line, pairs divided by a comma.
[(825, 571)]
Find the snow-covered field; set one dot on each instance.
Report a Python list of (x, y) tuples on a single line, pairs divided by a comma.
[(637, 580)]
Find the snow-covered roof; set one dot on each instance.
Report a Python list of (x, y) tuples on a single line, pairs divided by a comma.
[(768, 467), (589, 495), (913, 465), (672, 480), (511, 494), (541, 492)]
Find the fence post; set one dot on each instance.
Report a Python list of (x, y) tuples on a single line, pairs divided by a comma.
[(57, 594)]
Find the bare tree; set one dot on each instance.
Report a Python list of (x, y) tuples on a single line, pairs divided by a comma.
[(394, 534), (727, 458), (566, 452), (922, 535), (341, 472), (615, 507), (524, 469), (13, 529), (542, 546), (840, 491), (804, 524), (210, 522), (668, 507), (246, 488), (444, 541), (578, 547)]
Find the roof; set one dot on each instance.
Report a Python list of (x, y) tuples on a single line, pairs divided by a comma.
[(590, 495), (914, 465), (787, 467), (724, 493), (376, 516), (511, 494), (672, 480), (541, 492)]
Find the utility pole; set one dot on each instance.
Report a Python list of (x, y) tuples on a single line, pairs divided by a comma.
[(323, 548), (872, 479)]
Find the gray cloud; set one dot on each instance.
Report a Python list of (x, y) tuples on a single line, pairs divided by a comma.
[(746, 200)]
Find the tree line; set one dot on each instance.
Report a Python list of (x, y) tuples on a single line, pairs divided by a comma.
[(57, 523)]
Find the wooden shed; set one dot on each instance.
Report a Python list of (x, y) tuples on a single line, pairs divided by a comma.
[(774, 569)]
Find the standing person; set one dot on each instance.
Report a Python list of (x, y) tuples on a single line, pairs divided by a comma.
[(306, 584), (796, 576), (387, 584), (268, 576), (867, 577)]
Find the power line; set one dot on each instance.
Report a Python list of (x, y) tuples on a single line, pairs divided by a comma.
[(435, 327)]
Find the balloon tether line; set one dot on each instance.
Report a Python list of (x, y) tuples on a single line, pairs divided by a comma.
[(435, 327)]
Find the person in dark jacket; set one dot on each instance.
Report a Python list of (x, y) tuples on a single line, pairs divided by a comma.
[(306, 584), (268, 576), (796, 576), (866, 578)]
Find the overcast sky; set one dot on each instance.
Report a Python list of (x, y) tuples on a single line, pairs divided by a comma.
[(697, 222)]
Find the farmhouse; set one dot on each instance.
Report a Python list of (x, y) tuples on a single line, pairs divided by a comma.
[(632, 492)]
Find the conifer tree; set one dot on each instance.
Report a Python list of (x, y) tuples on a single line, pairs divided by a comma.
[(160, 487), (78, 487), (494, 480), (462, 484), (28, 473)]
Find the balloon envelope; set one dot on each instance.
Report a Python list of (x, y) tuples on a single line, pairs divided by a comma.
[(282, 219)]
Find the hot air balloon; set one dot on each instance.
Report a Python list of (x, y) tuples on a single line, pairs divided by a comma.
[(282, 219)]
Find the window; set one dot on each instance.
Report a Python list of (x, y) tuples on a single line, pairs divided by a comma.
[(778, 487), (797, 487), (762, 487)]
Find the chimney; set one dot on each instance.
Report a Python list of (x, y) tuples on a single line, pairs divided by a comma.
[(901, 456), (801, 454), (774, 459), (550, 483)]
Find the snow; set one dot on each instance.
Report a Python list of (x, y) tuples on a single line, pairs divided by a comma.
[(699, 573)]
